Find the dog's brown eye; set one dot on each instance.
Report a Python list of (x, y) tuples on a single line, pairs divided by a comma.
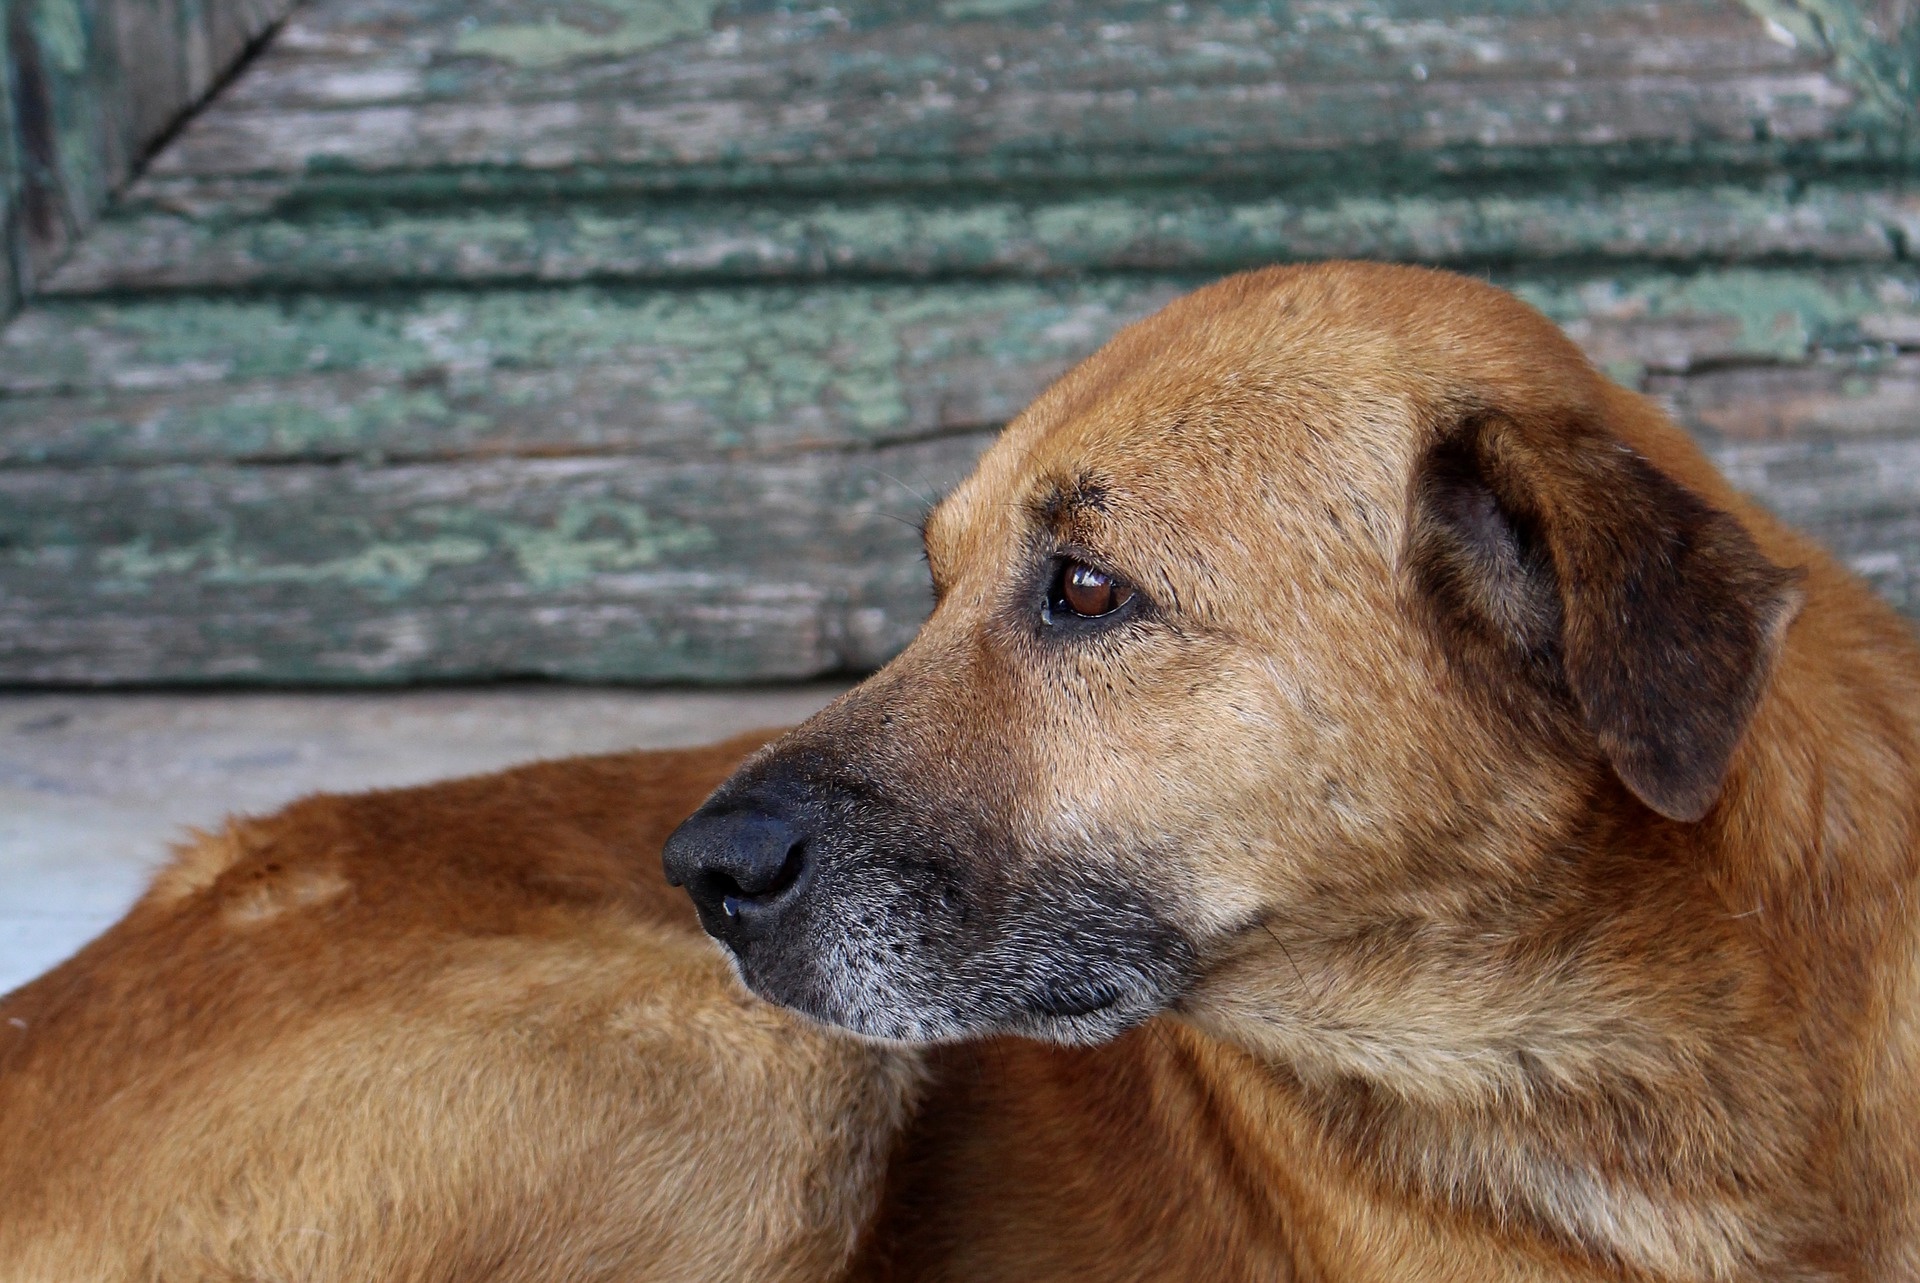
[(1089, 592)]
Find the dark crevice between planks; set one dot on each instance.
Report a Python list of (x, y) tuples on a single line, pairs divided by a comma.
[(640, 457), (1494, 268), (1384, 171), (506, 683), (1498, 269)]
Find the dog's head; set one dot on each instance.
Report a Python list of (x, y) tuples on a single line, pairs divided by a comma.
[(1323, 594)]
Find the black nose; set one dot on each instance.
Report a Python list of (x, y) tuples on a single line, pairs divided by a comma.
[(740, 867)]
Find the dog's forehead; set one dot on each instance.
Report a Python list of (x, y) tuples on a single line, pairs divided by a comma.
[(1184, 442)]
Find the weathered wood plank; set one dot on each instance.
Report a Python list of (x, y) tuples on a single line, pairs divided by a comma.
[(1860, 498), (519, 50), (679, 95), (1837, 396), (218, 246), (1633, 324), (575, 568), (667, 373), (673, 373), (605, 569), (12, 235)]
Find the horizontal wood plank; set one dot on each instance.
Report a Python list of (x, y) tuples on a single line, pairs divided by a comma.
[(664, 373), (573, 568), (1836, 396), (685, 94), (417, 51), (224, 242), (673, 373), (592, 569)]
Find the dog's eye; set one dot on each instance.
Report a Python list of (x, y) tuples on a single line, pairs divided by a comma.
[(1087, 592)]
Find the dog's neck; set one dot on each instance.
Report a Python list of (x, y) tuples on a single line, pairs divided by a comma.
[(1614, 1053)]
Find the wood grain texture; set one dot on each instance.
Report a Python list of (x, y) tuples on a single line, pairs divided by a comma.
[(727, 371), (220, 243), (711, 372), (608, 568), (686, 93)]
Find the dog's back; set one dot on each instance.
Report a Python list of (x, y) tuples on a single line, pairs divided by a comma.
[(448, 1032)]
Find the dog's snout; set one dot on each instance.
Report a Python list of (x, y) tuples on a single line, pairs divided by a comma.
[(741, 867)]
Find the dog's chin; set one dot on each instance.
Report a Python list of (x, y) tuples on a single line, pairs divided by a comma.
[(1076, 1010)]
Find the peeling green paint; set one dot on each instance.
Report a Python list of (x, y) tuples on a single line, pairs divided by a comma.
[(448, 374), (587, 538), (584, 539), (959, 9), (1744, 314), (386, 568), (445, 373), (134, 562), (601, 28)]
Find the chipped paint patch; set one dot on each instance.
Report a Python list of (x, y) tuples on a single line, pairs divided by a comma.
[(1674, 323), (956, 9), (596, 537), (606, 28), (584, 539), (382, 567)]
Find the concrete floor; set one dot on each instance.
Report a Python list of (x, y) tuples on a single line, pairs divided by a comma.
[(94, 786)]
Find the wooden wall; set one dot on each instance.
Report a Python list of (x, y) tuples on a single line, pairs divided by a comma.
[(627, 339)]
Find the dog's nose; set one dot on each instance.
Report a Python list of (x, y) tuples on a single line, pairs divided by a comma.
[(740, 867)]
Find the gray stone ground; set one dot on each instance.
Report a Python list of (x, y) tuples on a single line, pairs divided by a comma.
[(94, 786)]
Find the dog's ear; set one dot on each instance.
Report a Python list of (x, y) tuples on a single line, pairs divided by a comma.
[(1558, 552)]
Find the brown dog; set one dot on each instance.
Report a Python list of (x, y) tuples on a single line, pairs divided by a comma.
[(1520, 825), (1514, 826)]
